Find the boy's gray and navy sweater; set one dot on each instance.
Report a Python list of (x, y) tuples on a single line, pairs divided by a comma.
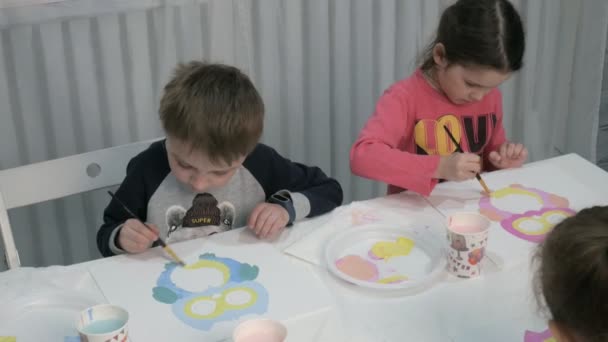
[(152, 192)]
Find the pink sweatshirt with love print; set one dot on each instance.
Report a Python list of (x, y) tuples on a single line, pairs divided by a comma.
[(403, 140)]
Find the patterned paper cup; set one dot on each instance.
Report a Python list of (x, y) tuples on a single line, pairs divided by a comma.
[(101, 323), (260, 330), (467, 240)]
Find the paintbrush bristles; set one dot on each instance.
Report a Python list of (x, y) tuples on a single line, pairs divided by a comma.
[(174, 256)]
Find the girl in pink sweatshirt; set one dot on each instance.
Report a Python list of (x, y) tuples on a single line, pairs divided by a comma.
[(479, 43)]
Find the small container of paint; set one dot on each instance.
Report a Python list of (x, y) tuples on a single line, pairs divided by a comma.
[(260, 330), (467, 240), (102, 323)]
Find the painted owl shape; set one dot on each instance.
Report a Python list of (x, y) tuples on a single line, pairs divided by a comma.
[(529, 225), (229, 292)]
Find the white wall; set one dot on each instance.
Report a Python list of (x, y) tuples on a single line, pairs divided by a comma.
[(602, 139)]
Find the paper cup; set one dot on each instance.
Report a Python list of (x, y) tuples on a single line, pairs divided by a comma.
[(101, 323), (467, 240), (260, 330)]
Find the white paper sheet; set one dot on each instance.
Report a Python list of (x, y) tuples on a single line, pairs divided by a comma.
[(238, 270)]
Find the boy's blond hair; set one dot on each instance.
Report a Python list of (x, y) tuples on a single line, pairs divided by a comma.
[(214, 108)]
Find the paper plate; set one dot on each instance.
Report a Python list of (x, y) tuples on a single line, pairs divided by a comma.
[(386, 257), (44, 316)]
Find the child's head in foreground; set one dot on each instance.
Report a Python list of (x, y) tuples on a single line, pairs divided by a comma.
[(479, 43), (213, 117), (573, 277)]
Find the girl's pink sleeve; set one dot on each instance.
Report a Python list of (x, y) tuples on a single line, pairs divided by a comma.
[(377, 153), (498, 135)]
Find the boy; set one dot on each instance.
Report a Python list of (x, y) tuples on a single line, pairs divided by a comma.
[(210, 174)]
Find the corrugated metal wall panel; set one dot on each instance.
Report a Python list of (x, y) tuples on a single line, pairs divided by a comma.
[(78, 76)]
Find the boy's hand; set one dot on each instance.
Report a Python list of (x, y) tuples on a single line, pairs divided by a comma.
[(458, 167), (509, 155), (268, 219), (134, 237)]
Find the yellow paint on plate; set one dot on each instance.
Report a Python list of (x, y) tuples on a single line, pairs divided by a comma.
[(390, 249), (393, 279)]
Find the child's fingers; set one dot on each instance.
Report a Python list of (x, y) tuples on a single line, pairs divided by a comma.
[(134, 247), (524, 154), (268, 227), (277, 227), (144, 231), (132, 241), (254, 215), (502, 150), (137, 237), (264, 227), (280, 223), (471, 158), (154, 229), (469, 163), (277, 219), (464, 175), (517, 150), (510, 150), (260, 223), (129, 246), (494, 157), (474, 167)]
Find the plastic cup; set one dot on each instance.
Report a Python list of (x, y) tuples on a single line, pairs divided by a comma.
[(260, 330), (467, 240), (101, 323)]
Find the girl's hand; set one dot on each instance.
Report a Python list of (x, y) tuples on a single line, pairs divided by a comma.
[(458, 166), (509, 155)]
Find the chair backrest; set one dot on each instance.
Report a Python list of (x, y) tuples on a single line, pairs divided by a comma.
[(52, 179)]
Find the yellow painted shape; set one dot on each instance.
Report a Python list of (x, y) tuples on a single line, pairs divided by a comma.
[(392, 279), (546, 225), (220, 304), (550, 339), (219, 308), (252, 299), (515, 191), (211, 264), (389, 249), (8, 339)]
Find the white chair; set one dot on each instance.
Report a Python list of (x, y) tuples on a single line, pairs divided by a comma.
[(23, 185)]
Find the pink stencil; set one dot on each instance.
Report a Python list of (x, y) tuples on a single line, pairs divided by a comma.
[(545, 336), (514, 222)]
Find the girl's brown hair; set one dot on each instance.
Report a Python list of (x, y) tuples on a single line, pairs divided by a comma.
[(572, 278), (480, 32)]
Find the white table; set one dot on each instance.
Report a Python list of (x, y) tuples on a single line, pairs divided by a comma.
[(360, 315), (371, 318)]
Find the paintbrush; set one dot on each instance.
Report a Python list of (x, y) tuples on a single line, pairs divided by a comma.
[(160, 241), (459, 149)]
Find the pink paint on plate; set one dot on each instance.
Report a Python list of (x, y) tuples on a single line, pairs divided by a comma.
[(357, 267)]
